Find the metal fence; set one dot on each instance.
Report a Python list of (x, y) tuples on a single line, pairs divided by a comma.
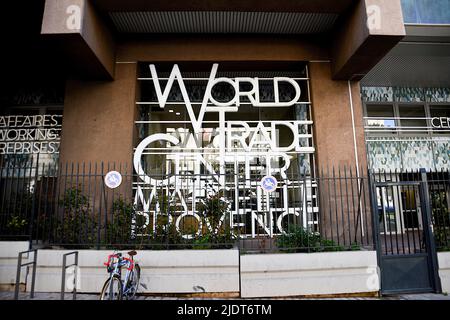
[(68, 205), (401, 202)]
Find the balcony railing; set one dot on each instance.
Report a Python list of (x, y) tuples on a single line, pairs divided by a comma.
[(399, 125), (70, 207)]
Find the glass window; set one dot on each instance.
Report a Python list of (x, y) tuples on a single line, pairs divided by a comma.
[(380, 117), (413, 119), (227, 152), (426, 11)]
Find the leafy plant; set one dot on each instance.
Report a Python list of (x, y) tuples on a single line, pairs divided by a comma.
[(166, 234), (213, 208), (16, 224), (355, 247), (218, 239), (215, 231), (441, 220), (77, 222), (74, 200), (326, 245), (18, 206), (214, 211), (123, 222), (298, 239)]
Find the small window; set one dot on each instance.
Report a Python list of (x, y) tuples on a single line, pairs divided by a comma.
[(413, 119), (380, 117)]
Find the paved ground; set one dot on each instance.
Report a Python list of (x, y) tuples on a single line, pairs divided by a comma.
[(6, 295)]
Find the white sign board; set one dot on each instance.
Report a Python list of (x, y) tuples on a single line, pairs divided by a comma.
[(113, 179), (269, 183), (32, 134)]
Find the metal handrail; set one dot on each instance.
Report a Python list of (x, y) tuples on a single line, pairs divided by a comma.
[(19, 269), (64, 268)]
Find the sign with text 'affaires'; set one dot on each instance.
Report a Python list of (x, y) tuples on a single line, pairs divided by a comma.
[(28, 134)]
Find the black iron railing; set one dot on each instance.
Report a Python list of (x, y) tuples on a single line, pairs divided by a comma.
[(68, 205), (405, 202)]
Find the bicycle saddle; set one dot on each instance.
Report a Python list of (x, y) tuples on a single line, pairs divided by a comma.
[(132, 253)]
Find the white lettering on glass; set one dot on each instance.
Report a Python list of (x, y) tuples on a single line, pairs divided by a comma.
[(236, 143)]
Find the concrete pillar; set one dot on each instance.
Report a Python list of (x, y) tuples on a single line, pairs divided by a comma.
[(98, 122), (335, 130), (340, 144)]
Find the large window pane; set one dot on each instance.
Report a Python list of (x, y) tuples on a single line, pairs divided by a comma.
[(196, 153), (413, 119), (426, 11)]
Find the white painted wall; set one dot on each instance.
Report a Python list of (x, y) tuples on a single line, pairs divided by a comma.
[(271, 275), (444, 270), (176, 271), (179, 271), (9, 251)]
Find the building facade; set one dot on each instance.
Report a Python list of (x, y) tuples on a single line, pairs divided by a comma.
[(188, 100)]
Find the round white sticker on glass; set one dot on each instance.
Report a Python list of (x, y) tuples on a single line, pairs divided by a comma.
[(269, 183), (113, 179)]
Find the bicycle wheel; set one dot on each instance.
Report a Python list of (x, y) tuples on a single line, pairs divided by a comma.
[(116, 289), (135, 281)]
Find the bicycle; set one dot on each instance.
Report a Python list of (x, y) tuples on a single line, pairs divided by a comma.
[(115, 288)]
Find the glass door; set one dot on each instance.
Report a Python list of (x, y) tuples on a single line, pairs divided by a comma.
[(389, 217), (410, 209), (399, 209)]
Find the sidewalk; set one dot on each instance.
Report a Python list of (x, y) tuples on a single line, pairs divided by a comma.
[(8, 295)]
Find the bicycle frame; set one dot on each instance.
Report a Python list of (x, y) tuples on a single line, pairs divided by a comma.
[(117, 270)]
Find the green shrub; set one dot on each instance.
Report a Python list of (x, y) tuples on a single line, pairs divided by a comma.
[(355, 247), (118, 227), (212, 209), (166, 234), (18, 213), (298, 239), (16, 224), (441, 219), (326, 245), (78, 221), (222, 238)]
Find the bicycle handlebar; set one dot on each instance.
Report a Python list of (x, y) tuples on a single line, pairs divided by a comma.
[(122, 261)]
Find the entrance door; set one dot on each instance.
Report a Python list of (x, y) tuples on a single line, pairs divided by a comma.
[(405, 250)]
